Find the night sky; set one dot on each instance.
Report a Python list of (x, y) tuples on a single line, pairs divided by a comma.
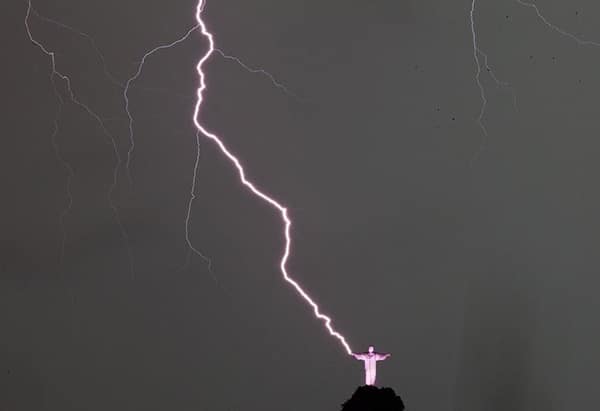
[(472, 258)]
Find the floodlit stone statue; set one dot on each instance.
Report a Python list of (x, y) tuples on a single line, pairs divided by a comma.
[(370, 358)]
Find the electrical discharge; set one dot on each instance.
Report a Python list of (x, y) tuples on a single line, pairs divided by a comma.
[(287, 222)]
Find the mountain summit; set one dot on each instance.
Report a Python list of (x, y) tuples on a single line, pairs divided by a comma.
[(371, 398)]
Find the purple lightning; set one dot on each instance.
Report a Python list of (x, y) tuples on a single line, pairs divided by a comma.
[(248, 184), (201, 130)]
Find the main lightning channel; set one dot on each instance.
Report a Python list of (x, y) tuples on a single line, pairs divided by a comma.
[(248, 184)]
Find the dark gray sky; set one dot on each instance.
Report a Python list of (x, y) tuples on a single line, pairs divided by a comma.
[(472, 259)]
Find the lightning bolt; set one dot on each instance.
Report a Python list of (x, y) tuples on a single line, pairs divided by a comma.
[(235, 162), (201, 130), (192, 197), (111, 140)]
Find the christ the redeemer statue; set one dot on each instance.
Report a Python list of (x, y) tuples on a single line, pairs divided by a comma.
[(370, 358)]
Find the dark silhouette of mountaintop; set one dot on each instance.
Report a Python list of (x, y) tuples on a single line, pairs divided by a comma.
[(370, 398)]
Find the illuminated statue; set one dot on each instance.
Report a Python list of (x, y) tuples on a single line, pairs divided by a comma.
[(370, 358)]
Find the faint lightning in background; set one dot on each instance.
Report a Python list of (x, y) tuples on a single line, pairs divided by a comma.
[(89, 38), (477, 52), (70, 173), (67, 81), (257, 71), (499, 83), (131, 80), (479, 84), (111, 77), (579, 40), (248, 184), (188, 215)]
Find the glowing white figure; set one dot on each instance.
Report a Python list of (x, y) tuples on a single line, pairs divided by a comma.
[(370, 358)]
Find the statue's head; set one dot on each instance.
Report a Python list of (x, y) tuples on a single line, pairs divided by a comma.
[(371, 349)]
